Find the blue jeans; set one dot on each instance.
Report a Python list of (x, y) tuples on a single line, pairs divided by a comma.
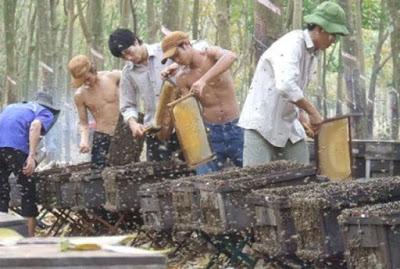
[(226, 142)]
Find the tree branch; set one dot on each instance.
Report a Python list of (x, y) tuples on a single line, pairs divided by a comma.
[(83, 24)]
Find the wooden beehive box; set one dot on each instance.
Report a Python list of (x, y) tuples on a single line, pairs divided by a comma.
[(221, 201), (83, 190), (121, 183), (274, 229), (372, 236), (315, 213)]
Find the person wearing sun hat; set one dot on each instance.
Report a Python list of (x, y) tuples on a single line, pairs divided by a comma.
[(330, 17), (98, 93), (21, 126), (276, 109)]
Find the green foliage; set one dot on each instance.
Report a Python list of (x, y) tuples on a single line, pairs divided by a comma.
[(241, 34), (372, 11)]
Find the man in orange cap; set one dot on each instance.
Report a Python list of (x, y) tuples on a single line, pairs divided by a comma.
[(98, 93), (206, 73)]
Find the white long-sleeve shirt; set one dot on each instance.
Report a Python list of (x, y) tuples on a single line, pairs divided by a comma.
[(282, 73), (142, 82)]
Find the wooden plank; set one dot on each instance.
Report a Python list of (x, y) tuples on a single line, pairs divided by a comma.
[(31, 255)]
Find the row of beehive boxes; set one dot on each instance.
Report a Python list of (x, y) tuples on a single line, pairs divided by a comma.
[(77, 186), (290, 210), (115, 188)]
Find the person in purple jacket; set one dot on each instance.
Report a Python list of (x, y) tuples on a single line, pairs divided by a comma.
[(21, 125)]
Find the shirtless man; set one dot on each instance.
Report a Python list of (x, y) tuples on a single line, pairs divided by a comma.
[(98, 93), (206, 74)]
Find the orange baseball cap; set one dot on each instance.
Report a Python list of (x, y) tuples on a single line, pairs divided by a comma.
[(171, 42), (79, 66)]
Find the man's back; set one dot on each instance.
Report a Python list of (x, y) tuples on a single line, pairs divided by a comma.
[(15, 121)]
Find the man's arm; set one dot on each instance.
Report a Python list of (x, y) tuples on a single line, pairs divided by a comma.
[(287, 69), (83, 123), (34, 138), (313, 114), (223, 61), (169, 71)]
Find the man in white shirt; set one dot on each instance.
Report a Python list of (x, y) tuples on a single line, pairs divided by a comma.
[(141, 80), (273, 113)]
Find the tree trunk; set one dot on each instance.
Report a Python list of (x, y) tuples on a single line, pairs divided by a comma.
[(96, 29), (84, 26), (195, 19), (248, 56), (35, 63), (56, 54), (339, 89), (67, 128), (376, 68), (394, 10), (223, 23), (323, 86), (152, 25), (353, 62), (318, 93), (45, 45), (30, 48), (297, 14), (268, 27), (170, 14), (125, 13), (134, 16), (10, 95), (393, 112), (184, 15)]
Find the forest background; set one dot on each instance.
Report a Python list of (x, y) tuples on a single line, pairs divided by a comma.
[(359, 74)]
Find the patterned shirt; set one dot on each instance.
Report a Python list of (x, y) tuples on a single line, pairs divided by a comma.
[(282, 73), (142, 82)]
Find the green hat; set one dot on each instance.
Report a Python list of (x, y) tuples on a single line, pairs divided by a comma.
[(330, 16)]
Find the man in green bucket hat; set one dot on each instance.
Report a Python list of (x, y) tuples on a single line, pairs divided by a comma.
[(276, 114), (330, 17)]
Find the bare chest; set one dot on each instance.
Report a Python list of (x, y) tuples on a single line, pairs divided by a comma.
[(103, 94), (195, 74)]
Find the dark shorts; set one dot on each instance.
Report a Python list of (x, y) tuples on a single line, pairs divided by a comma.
[(161, 150), (100, 147), (12, 161), (227, 143)]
